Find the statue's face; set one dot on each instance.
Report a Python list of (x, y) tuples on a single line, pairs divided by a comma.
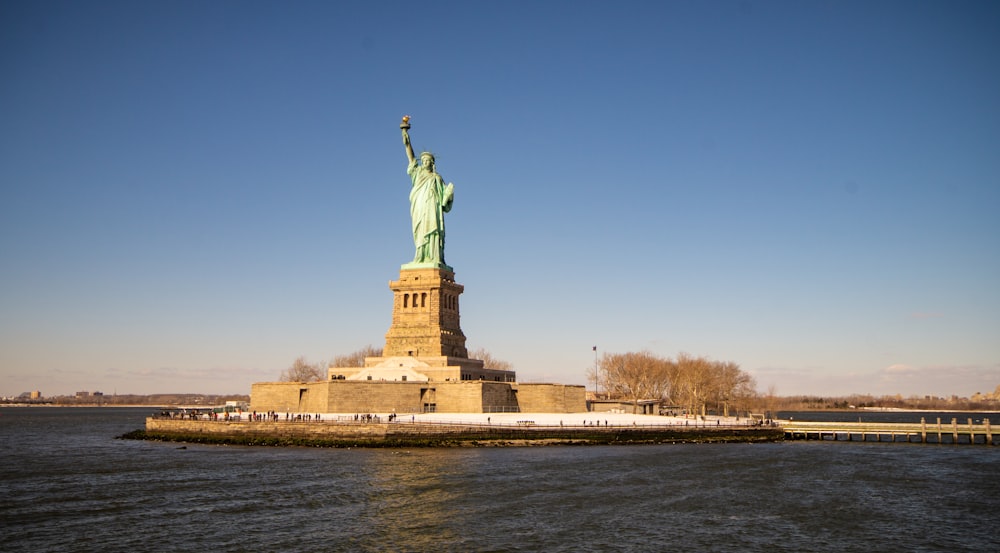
[(427, 162)]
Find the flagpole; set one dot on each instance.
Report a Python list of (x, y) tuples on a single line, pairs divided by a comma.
[(597, 376)]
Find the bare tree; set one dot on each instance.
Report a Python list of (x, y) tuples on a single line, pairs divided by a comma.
[(489, 361), (703, 382), (302, 371), (732, 386), (694, 382), (770, 400), (357, 358), (634, 376)]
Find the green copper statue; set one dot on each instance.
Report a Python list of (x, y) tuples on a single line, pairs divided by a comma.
[(430, 199)]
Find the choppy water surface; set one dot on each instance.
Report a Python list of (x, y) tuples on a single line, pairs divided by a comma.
[(67, 485)]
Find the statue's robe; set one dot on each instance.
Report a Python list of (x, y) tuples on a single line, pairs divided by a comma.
[(430, 199)]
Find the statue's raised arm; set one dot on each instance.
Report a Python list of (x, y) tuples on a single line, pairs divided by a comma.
[(405, 127)]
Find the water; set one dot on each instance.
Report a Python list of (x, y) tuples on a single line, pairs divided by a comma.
[(67, 485)]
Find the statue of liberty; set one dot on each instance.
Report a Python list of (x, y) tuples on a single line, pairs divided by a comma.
[(430, 199)]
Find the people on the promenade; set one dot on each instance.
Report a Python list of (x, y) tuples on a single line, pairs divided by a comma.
[(690, 420)]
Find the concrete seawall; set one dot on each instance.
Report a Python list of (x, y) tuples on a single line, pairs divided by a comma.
[(398, 434)]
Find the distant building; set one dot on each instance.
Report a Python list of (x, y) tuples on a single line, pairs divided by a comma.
[(642, 406), (36, 395)]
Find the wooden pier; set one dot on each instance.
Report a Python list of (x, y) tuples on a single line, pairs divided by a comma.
[(923, 432)]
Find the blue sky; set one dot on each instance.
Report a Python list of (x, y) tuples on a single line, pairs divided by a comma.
[(193, 194)]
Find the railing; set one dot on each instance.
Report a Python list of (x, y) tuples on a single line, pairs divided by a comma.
[(590, 425), (501, 409)]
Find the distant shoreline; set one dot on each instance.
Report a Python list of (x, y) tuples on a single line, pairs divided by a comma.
[(886, 410), (118, 405), (595, 413)]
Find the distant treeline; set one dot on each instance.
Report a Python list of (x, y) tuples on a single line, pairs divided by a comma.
[(978, 402)]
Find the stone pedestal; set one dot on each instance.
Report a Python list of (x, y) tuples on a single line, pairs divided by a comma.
[(425, 342), (425, 315)]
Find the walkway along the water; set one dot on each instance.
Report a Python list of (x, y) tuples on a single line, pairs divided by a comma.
[(922, 432)]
